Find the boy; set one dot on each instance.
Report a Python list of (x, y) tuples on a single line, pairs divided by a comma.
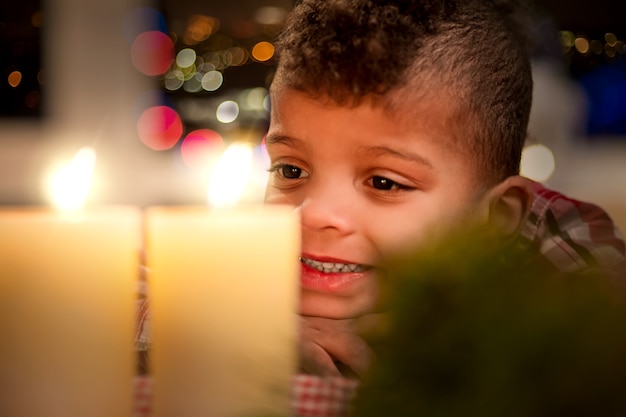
[(392, 123)]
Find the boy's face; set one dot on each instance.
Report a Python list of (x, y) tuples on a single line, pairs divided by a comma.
[(365, 183)]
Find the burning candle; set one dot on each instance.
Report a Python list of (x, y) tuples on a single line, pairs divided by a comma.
[(67, 284), (224, 293)]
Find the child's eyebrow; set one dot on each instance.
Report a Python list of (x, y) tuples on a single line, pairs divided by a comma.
[(386, 151), (280, 139)]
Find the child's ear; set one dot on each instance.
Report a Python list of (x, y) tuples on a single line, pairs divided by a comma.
[(509, 205)]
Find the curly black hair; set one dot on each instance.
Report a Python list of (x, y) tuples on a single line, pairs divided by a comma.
[(475, 52)]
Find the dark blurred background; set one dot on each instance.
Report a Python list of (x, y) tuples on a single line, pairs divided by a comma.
[(587, 35), (20, 58)]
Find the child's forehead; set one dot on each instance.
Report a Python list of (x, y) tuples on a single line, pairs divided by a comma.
[(434, 111), (402, 124)]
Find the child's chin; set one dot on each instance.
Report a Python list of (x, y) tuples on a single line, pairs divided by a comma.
[(338, 308)]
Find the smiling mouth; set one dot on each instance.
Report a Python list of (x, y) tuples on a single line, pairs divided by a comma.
[(334, 267)]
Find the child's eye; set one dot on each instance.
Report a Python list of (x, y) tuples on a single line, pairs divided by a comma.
[(382, 183), (291, 172)]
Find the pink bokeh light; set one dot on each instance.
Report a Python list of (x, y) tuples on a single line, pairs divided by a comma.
[(152, 53), (200, 147), (159, 127)]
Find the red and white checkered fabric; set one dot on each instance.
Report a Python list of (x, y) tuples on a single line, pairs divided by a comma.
[(573, 235), (142, 404), (312, 396)]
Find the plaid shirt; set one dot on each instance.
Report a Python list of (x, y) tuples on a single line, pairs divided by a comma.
[(571, 235)]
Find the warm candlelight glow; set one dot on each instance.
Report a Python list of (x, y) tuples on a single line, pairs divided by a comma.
[(70, 185), (230, 175)]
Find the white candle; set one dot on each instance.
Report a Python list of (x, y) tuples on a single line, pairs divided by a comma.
[(67, 300), (67, 283), (224, 290)]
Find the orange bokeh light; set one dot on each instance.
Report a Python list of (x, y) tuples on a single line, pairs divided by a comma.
[(15, 78), (263, 51)]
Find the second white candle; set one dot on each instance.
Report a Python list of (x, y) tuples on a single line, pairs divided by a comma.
[(224, 288)]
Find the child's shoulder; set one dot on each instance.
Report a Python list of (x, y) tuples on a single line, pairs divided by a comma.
[(572, 234)]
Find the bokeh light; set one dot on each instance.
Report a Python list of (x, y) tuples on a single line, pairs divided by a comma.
[(199, 28), (254, 98), (537, 162), (610, 39), (237, 56), (159, 127), (194, 84), (270, 15), (212, 80), (32, 99), (215, 59), (185, 58), (567, 40), (227, 111), (596, 47), (14, 78), (263, 51), (173, 80), (188, 72), (582, 45), (609, 51), (201, 148), (152, 53)]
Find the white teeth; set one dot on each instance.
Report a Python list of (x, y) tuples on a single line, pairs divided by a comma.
[(331, 267)]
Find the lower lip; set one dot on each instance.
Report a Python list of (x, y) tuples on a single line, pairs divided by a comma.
[(314, 279)]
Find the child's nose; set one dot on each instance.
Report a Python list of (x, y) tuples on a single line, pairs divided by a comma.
[(329, 208)]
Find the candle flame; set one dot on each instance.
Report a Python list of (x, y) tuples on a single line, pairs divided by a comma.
[(230, 175), (71, 183)]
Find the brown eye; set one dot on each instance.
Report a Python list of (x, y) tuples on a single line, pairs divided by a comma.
[(385, 184), (290, 171), (382, 183)]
